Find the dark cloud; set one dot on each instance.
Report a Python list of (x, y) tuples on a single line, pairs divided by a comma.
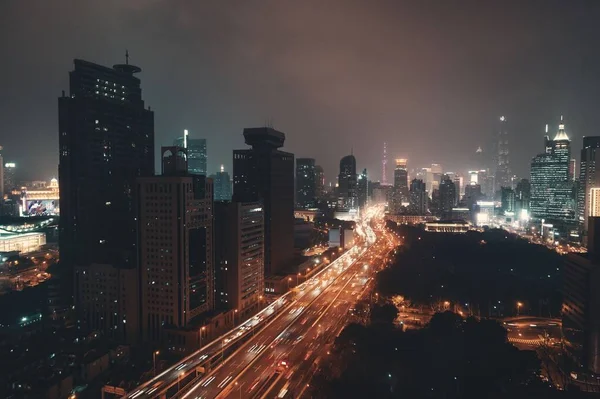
[(428, 77)]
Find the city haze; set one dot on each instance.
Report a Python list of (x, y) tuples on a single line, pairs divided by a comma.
[(428, 78)]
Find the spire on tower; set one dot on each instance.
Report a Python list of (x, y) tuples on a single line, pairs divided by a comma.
[(384, 166)]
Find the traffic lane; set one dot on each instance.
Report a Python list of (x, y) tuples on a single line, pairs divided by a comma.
[(207, 387), (308, 339), (301, 357)]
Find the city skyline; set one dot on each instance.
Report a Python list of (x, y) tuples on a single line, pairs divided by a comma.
[(216, 96)]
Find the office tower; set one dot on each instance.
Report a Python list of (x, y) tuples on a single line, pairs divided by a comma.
[(319, 181), (363, 189), (436, 176), (573, 169), (551, 189), (501, 156), (508, 200), (580, 309), (176, 244), (347, 184), (384, 167), (447, 197), (479, 161), (266, 174), (305, 182), (106, 141), (196, 150), (418, 197), (1, 175), (472, 195), (588, 178), (401, 180), (10, 181), (522, 198), (222, 185), (239, 255)]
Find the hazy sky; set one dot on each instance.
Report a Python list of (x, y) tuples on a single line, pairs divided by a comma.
[(428, 77)]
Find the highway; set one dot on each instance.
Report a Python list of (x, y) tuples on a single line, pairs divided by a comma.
[(281, 358), (272, 320)]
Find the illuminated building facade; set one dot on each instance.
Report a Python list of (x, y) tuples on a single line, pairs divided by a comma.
[(319, 181), (196, 150), (239, 255), (222, 184), (417, 197), (264, 173), (400, 184), (447, 197), (552, 192), (41, 201), (10, 182), (22, 242), (176, 244), (305, 182)]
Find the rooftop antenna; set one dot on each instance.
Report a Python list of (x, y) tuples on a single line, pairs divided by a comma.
[(126, 57)]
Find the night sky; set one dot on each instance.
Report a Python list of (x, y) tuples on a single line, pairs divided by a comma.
[(428, 77)]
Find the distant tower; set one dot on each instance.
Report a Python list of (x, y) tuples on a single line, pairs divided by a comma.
[(501, 155), (384, 167)]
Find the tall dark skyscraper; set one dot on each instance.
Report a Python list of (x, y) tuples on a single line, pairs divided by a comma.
[(106, 141), (319, 181), (10, 181), (305, 182), (501, 155), (196, 150), (418, 197), (267, 174), (222, 184), (347, 183), (447, 197), (522, 198), (551, 188), (588, 178)]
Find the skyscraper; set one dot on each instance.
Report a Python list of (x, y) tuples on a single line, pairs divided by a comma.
[(239, 255), (447, 197), (10, 180), (401, 180), (176, 244), (501, 156), (305, 182), (106, 141), (196, 150), (384, 181), (222, 185), (266, 174), (363, 189), (588, 178), (551, 189), (347, 183), (418, 197), (319, 181), (522, 198), (1, 174)]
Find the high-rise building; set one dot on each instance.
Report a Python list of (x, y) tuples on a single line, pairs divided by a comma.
[(447, 200), (10, 180), (266, 174), (305, 182), (239, 255), (1, 175), (384, 181), (363, 189), (580, 310), (418, 197), (473, 194), (508, 200), (588, 178), (573, 169), (522, 198), (196, 150), (347, 183), (401, 180), (319, 181), (435, 176), (106, 141), (176, 245), (222, 185), (552, 194), (501, 156)]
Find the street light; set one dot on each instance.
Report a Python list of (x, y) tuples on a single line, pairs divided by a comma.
[(201, 329), (289, 279), (179, 378), (234, 316), (519, 305), (154, 360), (240, 385), (297, 277)]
